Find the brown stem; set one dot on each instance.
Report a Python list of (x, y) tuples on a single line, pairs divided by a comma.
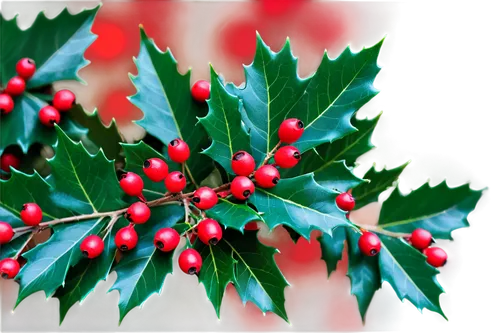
[(110, 225), (25, 244), (267, 158), (379, 230)]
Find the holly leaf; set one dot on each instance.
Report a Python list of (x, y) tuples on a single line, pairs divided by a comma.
[(338, 89), (272, 88), (363, 272), (14, 246), (380, 181), (142, 271), (257, 277), (440, 209), (301, 204), (233, 215), (56, 45), (223, 124), (170, 112), (332, 247), (407, 271)]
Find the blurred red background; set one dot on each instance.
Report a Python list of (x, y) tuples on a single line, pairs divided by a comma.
[(224, 34)]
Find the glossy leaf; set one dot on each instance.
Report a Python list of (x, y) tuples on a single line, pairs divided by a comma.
[(224, 125), (332, 248), (440, 209), (56, 45), (164, 95), (301, 204), (233, 214)]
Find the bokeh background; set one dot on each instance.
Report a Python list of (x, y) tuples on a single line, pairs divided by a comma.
[(438, 86)]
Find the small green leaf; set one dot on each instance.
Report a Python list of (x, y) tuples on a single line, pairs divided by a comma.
[(301, 204), (223, 124), (406, 269), (14, 246), (164, 95), (332, 248), (440, 209), (233, 215)]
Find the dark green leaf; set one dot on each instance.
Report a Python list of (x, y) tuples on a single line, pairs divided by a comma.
[(14, 246), (363, 272), (301, 204), (142, 271), (440, 209), (406, 269), (170, 112), (223, 124), (380, 181), (56, 45), (332, 248), (233, 215)]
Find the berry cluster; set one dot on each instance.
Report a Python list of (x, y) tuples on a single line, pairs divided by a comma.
[(48, 115)]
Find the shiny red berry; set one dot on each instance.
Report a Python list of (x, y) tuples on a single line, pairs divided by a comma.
[(201, 91), (178, 151), (31, 214), (6, 232), (175, 182), (250, 226), (204, 198), (287, 157), (369, 244), (166, 239), (267, 176), (345, 201), (126, 238), (49, 116), (6, 104), (209, 231), (436, 256), (290, 130), (138, 213), (64, 100), (242, 187), (132, 184), (420, 239), (9, 160), (92, 246), (155, 169), (242, 163), (26, 68), (190, 261), (15, 86), (9, 268)]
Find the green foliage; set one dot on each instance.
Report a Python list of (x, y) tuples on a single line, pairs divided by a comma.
[(332, 248), (233, 214)]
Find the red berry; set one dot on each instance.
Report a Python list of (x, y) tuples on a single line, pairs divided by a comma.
[(192, 238), (345, 201), (9, 160), (15, 86), (175, 182), (64, 100), (138, 213), (155, 169), (31, 214), (420, 238), (209, 231), (190, 261), (166, 239), (132, 184), (126, 238), (9, 268), (49, 116), (6, 104), (252, 226), (92, 246), (287, 157), (242, 187), (201, 91), (178, 151), (267, 176), (25, 68), (205, 198), (369, 244), (290, 130), (436, 256), (242, 163), (6, 232)]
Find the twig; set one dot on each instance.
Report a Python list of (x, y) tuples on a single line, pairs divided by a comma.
[(186, 210), (110, 225), (25, 244), (379, 230), (267, 158)]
